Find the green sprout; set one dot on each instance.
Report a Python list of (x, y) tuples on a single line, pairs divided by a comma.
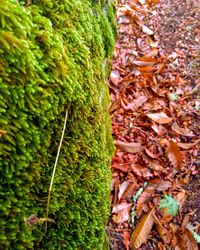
[(170, 204)]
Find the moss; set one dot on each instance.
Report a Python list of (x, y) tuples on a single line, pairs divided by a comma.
[(52, 60)]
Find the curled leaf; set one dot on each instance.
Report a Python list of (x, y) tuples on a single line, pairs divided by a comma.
[(122, 189)]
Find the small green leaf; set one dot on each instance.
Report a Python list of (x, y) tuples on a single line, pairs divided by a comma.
[(170, 204), (173, 97)]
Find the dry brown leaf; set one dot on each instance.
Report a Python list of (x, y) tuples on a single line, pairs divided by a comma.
[(146, 69), (181, 131), (188, 145), (174, 155), (140, 100), (149, 153), (143, 229), (181, 197), (131, 147), (122, 212), (163, 232), (122, 189), (164, 185), (144, 198), (148, 59), (143, 63), (115, 77), (126, 236), (185, 240), (160, 117), (147, 30)]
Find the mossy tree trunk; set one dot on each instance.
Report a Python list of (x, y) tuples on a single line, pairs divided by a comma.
[(53, 57)]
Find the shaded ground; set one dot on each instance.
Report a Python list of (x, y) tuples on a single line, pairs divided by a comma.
[(155, 70), (177, 26), (178, 29)]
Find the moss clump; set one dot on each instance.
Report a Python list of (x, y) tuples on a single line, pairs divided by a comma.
[(52, 60)]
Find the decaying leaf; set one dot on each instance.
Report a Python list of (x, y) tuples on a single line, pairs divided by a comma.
[(143, 63), (121, 212), (144, 198), (126, 236), (160, 117), (122, 189), (147, 31), (174, 155), (131, 147), (188, 145), (163, 232), (185, 240), (181, 131), (181, 197), (143, 229), (115, 77)]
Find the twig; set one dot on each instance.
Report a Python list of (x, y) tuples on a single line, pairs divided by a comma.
[(54, 169)]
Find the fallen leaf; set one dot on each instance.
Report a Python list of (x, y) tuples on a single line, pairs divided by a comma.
[(162, 231), (181, 197), (188, 145), (146, 69), (181, 131), (174, 155), (149, 153), (131, 147), (143, 229), (143, 63), (126, 236), (144, 198), (186, 218), (185, 240), (160, 117), (140, 100), (164, 185), (122, 189), (147, 31), (122, 212), (115, 77)]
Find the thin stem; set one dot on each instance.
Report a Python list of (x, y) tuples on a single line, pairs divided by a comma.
[(54, 169)]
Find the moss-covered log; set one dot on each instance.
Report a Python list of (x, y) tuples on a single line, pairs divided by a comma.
[(52, 60)]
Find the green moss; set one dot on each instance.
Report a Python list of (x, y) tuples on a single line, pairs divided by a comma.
[(52, 60)]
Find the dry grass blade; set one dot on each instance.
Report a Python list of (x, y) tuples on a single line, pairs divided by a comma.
[(54, 168), (143, 229)]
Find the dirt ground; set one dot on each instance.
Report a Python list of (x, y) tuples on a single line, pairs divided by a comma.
[(176, 26), (178, 32)]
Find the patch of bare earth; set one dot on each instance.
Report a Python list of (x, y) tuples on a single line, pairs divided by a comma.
[(177, 25), (178, 30)]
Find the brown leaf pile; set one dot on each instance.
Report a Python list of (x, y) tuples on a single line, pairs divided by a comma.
[(151, 110)]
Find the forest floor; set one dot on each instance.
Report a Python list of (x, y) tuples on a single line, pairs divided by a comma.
[(154, 89)]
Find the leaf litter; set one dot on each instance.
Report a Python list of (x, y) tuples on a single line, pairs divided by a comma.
[(154, 119)]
